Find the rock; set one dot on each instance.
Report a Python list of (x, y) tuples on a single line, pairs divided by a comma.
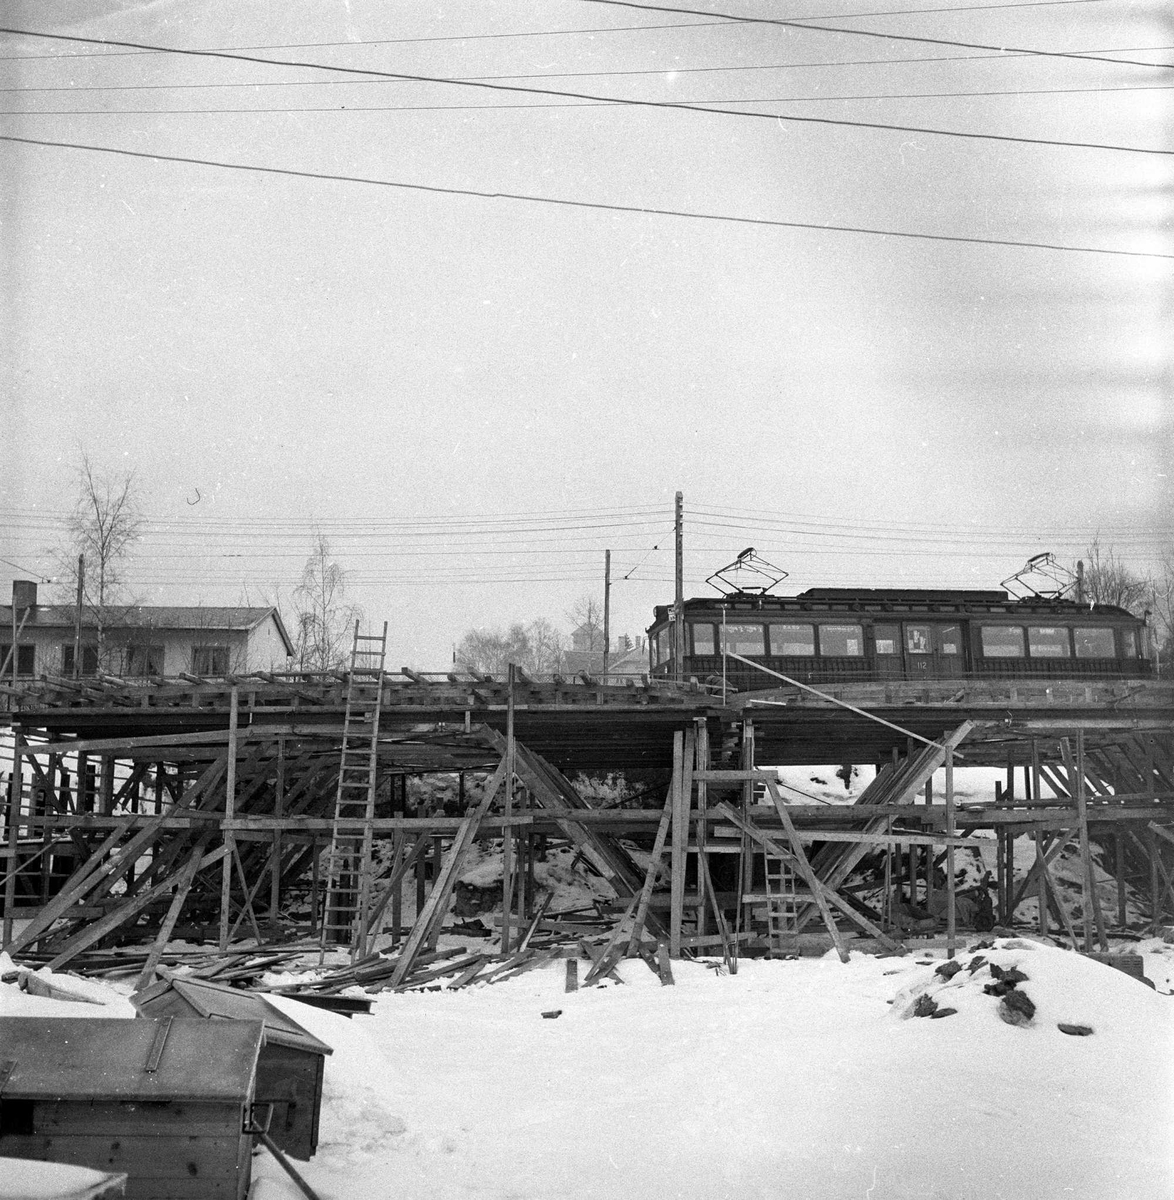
[(554, 1012), (942, 1012), (1014, 976), (975, 963), (926, 1006), (996, 971), (998, 989), (1015, 1008), (1074, 1030), (948, 970)]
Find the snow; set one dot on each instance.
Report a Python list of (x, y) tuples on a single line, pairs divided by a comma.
[(799, 1078)]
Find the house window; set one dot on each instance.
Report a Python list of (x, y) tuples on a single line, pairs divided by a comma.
[(1048, 641), (888, 639), (1002, 641), (144, 660), (26, 659), (918, 639), (703, 642), (792, 641), (89, 659), (210, 660), (744, 639), (841, 641), (1129, 643), (1094, 643), (664, 645)]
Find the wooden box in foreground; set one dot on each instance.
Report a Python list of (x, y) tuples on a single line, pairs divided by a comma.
[(290, 1069), (167, 1102)]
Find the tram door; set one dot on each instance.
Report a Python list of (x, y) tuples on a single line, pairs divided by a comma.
[(933, 651)]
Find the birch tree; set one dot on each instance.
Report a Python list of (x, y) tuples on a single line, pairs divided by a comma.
[(324, 617)]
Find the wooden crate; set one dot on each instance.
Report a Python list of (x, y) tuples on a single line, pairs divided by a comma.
[(290, 1069), (167, 1102)]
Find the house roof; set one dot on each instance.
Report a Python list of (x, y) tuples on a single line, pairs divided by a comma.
[(191, 617)]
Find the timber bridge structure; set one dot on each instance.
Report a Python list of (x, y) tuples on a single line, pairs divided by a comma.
[(275, 805)]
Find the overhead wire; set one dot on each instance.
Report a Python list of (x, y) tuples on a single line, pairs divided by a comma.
[(347, 109), (644, 210), (789, 23), (822, 64), (658, 104), (480, 37)]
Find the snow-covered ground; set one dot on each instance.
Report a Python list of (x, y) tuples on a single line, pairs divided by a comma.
[(798, 1078)]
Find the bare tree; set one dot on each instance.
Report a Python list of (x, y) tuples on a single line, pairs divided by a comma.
[(586, 615), (323, 615), (1162, 603), (537, 647), (1108, 580), (103, 528)]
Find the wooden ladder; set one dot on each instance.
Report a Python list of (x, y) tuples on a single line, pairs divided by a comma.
[(349, 867), (782, 904)]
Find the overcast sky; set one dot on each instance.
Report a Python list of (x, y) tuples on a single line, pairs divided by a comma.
[(474, 397)]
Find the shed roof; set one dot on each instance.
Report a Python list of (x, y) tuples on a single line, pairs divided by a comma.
[(199, 998), (100, 1058)]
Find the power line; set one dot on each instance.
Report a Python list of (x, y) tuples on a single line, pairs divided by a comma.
[(593, 205), (481, 37), (822, 64), (347, 109), (666, 104), (892, 37)]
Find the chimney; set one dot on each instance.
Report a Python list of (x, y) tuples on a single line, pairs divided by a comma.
[(24, 594)]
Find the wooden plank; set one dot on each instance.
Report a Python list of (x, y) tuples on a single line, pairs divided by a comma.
[(799, 858), (183, 885), (680, 838), (611, 951), (95, 931), (442, 886), (650, 876)]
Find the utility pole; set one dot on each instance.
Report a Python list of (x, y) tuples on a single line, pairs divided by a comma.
[(1080, 581), (679, 603), (606, 610), (77, 617)]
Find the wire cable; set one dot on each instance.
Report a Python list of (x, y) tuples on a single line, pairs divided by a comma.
[(666, 104), (893, 37), (481, 37), (594, 205)]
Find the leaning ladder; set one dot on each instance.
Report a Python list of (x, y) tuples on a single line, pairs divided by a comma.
[(349, 868), (782, 904)]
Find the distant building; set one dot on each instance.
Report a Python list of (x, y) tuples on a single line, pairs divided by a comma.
[(627, 658), (142, 639)]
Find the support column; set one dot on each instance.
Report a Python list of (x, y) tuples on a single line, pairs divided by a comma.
[(15, 794), (951, 831), (507, 832), (680, 836), (229, 815)]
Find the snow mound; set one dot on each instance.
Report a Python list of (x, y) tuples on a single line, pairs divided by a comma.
[(1023, 983), (68, 995)]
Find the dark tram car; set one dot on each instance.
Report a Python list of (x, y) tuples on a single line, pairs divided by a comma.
[(841, 635)]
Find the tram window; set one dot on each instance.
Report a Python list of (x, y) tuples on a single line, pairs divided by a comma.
[(792, 641), (1094, 643), (888, 639), (918, 639), (1002, 641), (664, 645), (1129, 643), (1048, 641), (951, 639), (841, 641), (744, 639), (703, 642)]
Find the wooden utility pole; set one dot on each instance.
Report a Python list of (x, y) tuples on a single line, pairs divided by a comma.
[(679, 602), (77, 617), (606, 610), (229, 817), (507, 832)]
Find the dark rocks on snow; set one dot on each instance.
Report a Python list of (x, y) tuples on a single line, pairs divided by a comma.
[(948, 970), (942, 1012), (1015, 1008), (1074, 1030), (977, 961), (926, 1006)]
